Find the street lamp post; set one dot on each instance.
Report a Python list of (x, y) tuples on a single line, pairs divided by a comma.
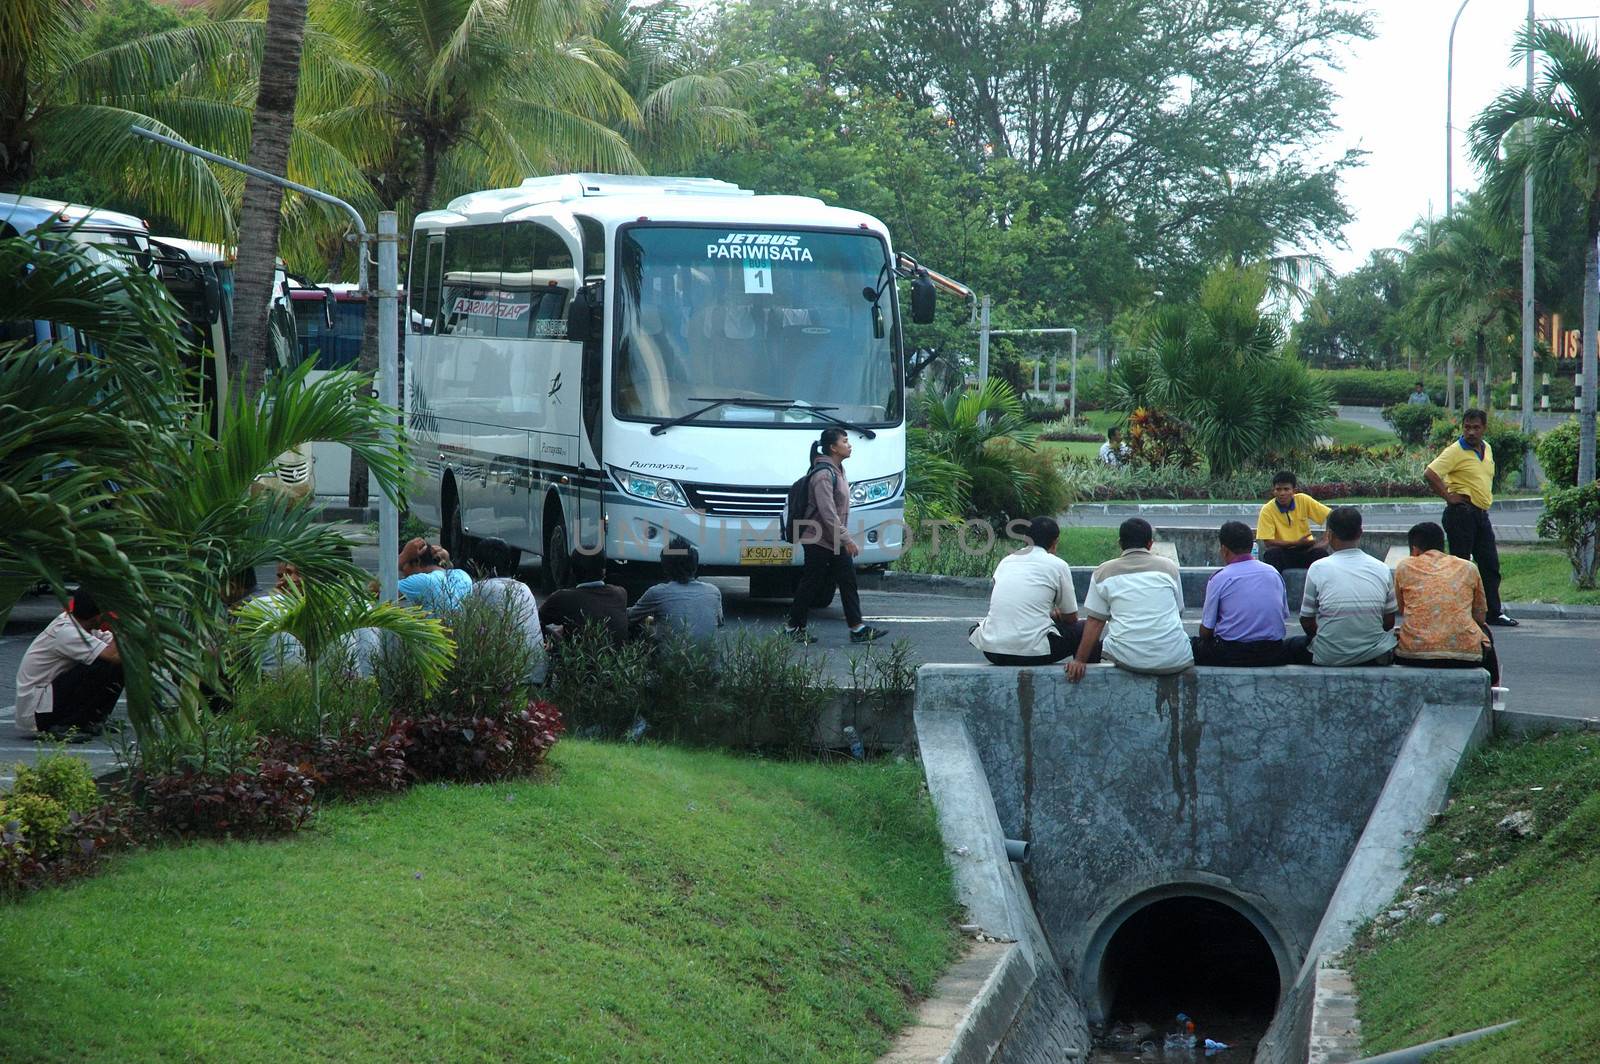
[(1527, 290), (1449, 175)]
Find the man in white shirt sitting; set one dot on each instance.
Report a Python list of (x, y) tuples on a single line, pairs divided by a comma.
[(1137, 600), (1033, 609), (70, 676)]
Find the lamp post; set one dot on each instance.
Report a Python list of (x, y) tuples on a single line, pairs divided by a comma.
[(1527, 288), (1449, 174)]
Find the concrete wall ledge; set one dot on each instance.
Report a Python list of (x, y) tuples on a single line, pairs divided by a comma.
[(1527, 724), (972, 1007)]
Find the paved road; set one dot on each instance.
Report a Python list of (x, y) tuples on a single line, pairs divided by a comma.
[(1548, 664), (1370, 416)]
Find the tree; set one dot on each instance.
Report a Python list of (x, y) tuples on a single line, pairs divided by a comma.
[(1354, 319), (1218, 364), (1553, 132), (277, 86)]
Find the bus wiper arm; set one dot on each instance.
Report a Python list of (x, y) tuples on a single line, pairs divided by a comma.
[(822, 412), (712, 404)]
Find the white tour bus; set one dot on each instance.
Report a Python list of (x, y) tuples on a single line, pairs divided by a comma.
[(673, 386)]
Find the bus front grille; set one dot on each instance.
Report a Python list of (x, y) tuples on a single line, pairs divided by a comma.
[(718, 500)]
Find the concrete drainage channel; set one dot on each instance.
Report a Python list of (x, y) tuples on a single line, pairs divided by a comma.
[(1201, 843)]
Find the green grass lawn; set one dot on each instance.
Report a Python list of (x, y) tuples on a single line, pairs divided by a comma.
[(978, 557), (642, 904), (1071, 448), (1540, 575), (1354, 432), (1522, 941)]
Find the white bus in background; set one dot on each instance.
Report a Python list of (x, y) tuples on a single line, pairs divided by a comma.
[(601, 362)]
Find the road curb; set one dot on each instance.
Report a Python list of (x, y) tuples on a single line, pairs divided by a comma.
[(1209, 509)]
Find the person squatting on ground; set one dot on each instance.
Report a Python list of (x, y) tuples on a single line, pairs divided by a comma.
[(1348, 607), (1463, 476), (426, 579), (592, 601), (1137, 601), (71, 674), (681, 604), (1284, 527), (495, 562), (1033, 608), (824, 536), (1443, 608), (1245, 608)]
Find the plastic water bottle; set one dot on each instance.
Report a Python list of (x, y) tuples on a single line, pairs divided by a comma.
[(1183, 1037), (1255, 549), (857, 751), (635, 733)]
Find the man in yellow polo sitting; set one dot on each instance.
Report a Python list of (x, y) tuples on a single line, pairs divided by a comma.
[(1284, 527), (1463, 476)]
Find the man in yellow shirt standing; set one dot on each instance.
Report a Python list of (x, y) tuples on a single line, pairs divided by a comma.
[(1463, 476), (1284, 527)]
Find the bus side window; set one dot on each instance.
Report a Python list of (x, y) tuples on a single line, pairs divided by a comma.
[(536, 282), (472, 257), (427, 256), (594, 248)]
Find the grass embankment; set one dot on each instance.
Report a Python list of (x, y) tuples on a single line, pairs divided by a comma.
[(1520, 940), (978, 557), (642, 904), (1541, 575), (1346, 432)]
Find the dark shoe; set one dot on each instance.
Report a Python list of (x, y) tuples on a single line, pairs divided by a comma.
[(800, 635), (1504, 621), (866, 634)]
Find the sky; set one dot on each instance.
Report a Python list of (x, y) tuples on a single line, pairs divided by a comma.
[(1392, 105)]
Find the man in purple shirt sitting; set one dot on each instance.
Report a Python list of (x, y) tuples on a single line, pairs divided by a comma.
[(1246, 609)]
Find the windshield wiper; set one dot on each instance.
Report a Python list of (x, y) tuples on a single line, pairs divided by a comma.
[(822, 412), (712, 404)]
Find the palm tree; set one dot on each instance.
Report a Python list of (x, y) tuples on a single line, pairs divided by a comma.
[(322, 618), (271, 125), (467, 94), (967, 447), (684, 108), (1218, 364), (1467, 287), (1553, 132)]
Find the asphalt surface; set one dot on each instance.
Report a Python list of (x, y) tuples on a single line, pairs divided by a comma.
[(1370, 417), (1549, 665)]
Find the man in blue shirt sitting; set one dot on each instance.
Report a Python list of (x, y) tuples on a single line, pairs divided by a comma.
[(1245, 612)]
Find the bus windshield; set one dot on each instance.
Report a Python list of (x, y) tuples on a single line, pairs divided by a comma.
[(764, 314)]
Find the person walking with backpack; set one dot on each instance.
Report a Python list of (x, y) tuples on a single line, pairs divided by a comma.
[(822, 530)]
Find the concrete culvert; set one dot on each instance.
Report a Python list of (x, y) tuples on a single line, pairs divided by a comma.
[(1191, 955)]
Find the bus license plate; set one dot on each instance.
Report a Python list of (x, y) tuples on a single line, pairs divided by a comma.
[(766, 555)]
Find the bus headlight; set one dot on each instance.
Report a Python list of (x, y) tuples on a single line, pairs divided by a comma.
[(654, 489), (866, 492)]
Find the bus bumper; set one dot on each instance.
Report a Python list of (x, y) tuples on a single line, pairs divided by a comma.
[(637, 533)]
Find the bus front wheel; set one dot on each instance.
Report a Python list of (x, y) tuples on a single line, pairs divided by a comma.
[(557, 567)]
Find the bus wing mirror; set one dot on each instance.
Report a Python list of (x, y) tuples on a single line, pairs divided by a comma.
[(584, 322), (327, 308), (924, 298)]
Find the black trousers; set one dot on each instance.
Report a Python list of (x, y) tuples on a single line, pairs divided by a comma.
[(1490, 662), (1063, 641), (82, 697), (1472, 536), (1281, 558), (1297, 651), (1234, 654), (825, 570)]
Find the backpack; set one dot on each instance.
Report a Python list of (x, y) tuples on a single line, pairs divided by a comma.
[(797, 503)]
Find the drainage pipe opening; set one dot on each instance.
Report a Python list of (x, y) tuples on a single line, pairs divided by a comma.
[(1194, 956)]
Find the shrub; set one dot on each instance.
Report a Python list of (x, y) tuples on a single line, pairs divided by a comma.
[(350, 764), (1018, 483), (774, 694), (38, 817), (273, 798), (1411, 422), (600, 688), (1155, 439), (479, 749), (60, 777), (487, 676), (1558, 454), (683, 702), (1388, 473), (1570, 518), (77, 847), (1377, 387), (284, 705)]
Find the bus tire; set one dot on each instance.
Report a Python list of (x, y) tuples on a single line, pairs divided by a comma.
[(556, 569), (451, 535)]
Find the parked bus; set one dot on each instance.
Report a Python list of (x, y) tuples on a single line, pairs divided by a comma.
[(198, 276), (601, 362)]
